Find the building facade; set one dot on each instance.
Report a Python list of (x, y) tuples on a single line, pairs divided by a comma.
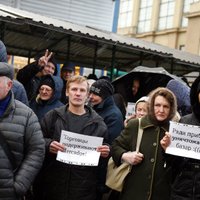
[(102, 15), (92, 13), (172, 23)]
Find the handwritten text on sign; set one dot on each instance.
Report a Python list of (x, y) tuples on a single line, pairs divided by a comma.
[(80, 149), (185, 140)]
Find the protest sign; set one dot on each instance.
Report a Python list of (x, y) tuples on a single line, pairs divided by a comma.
[(80, 149), (130, 109), (185, 140)]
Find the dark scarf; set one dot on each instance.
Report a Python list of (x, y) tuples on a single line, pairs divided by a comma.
[(4, 104)]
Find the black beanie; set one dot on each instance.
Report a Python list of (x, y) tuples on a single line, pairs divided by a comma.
[(102, 88), (47, 80)]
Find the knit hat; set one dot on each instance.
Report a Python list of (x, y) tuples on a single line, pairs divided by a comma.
[(68, 66), (182, 93), (142, 99), (102, 88), (3, 52), (47, 80), (6, 70)]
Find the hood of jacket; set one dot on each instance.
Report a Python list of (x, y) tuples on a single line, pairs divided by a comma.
[(3, 52), (194, 99), (182, 93), (109, 101)]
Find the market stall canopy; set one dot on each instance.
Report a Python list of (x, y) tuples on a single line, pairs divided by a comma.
[(27, 34), (150, 78)]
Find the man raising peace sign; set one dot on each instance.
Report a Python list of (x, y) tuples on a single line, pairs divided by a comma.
[(31, 74)]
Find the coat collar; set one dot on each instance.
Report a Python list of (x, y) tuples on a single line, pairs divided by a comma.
[(105, 103), (148, 122)]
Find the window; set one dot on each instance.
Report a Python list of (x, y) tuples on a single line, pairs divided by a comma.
[(186, 9), (125, 13), (144, 23), (166, 15), (182, 47)]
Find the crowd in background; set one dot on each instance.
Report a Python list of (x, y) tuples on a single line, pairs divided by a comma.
[(40, 103)]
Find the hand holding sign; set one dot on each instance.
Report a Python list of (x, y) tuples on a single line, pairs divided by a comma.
[(81, 149), (55, 147), (165, 142), (104, 150), (185, 140)]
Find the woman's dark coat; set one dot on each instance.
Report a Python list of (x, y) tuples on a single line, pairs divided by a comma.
[(149, 180)]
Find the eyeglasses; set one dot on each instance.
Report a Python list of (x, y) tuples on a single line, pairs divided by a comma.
[(45, 89)]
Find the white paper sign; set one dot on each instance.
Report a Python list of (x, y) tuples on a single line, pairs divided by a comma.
[(130, 110), (80, 149), (185, 140)]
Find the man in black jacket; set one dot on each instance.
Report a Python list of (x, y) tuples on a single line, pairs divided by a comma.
[(30, 75), (101, 98), (65, 181), (186, 171)]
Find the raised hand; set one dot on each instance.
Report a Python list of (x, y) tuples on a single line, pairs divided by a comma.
[(45, 59)]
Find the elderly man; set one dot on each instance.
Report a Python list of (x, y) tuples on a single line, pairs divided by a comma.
[(21, 141)]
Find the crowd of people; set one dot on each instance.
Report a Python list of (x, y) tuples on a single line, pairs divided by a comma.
[(37, 106)]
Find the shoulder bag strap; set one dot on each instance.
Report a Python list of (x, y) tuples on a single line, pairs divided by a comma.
[(139, 137), (7, 150)]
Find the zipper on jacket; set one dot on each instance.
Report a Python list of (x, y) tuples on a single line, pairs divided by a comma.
[(193, 187)]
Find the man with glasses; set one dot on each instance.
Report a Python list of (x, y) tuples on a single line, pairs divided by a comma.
[(48, 95)]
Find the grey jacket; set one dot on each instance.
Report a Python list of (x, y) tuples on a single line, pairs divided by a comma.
[(20, 128)]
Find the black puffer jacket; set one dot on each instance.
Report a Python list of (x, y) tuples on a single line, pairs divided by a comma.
[(187, 179), (62, 181), (20, 128)]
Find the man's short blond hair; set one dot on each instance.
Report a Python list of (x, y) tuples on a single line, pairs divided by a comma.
[(77, 79)]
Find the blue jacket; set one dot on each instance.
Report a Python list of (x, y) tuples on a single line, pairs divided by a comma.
[(112, 117), (40, 108), (20, 92)]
